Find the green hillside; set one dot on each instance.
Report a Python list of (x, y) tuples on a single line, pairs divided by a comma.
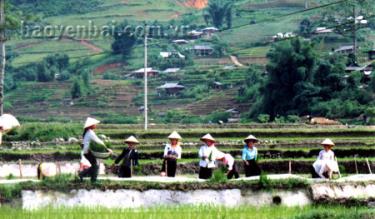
[(111, 93)]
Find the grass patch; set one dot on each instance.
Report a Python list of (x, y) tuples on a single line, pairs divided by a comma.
[(44, 131), (165, 212)]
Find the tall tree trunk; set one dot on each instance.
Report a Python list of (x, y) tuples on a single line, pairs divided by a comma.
[(307, 4), (2, 54)]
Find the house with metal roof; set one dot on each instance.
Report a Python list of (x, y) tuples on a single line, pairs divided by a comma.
[(202, 50), (345, 49), (141, 72), (171, 89)]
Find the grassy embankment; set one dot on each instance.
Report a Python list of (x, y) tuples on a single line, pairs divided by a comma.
[(240, 212)]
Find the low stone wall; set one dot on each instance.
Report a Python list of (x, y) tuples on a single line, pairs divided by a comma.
[(317, 192), (135, 199), (343, 192)]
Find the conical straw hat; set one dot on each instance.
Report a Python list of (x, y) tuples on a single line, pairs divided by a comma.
[(175, 135), (251, 137), (90, 122), (328, 142), (132, 139), (8, 122), (208, 137)]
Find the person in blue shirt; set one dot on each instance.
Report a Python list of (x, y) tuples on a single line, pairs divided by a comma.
[(249, 157)]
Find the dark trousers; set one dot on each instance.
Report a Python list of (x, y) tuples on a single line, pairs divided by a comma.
[(233, 172), (171, 167), (252, 169), (205, 173), (93, 171), (125, 172), (313, 173)]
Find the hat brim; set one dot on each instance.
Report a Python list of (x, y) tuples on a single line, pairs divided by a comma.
[(254, 140), (208, 139), (131, 142)]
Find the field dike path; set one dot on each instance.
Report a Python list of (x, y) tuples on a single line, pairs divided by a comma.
[(235, 61)]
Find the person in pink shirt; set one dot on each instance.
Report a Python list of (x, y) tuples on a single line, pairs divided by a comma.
[(229, 161)]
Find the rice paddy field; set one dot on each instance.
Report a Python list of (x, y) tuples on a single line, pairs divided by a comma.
[(280, 146), (241, 212)]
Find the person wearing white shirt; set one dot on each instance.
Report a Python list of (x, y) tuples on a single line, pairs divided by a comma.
[(326, 163), (208, 155), (88, 137), (172, 152)]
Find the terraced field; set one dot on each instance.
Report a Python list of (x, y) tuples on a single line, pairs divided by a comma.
[(281, 149)]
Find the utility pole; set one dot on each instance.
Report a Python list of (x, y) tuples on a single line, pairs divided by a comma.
[(146, 82), (2, 54)]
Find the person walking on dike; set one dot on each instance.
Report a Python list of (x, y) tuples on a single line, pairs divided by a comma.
[(249, 157), (129, 158), (172, 152), (208, 155), (326, 163), (230, 163), (88, 137)]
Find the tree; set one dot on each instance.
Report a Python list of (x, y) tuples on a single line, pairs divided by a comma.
[(45, 73), (61, 61), (76, 90), (305, 28), (291, 70), (124, 39), (328, 76), (219, 10)]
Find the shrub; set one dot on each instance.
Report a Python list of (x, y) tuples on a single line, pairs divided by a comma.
[(198, 92), (178, 116), (63, 76), (293, 119), (118, 119), (59, 182), (10, 177), (218, 116), (110, 76), (264, 181), (76, 90), (219, 176), (8, 192), (263, 118)]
